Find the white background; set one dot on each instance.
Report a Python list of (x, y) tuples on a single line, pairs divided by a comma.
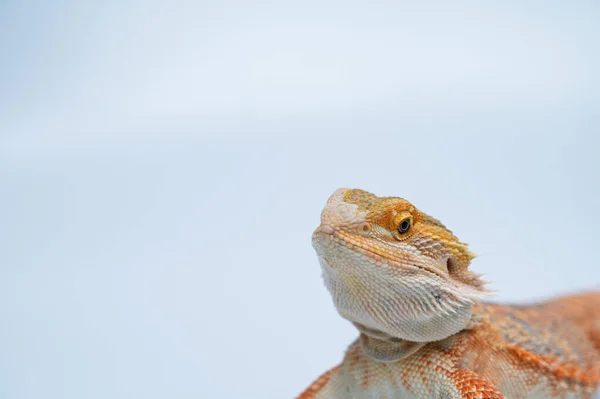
[(163, 165)]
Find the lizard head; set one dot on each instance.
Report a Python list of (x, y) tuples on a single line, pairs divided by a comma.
[(393, 270)]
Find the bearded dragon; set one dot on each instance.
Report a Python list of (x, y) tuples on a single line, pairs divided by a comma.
[(403, 279)]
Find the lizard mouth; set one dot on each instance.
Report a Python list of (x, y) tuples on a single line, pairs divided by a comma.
[(377, 256)]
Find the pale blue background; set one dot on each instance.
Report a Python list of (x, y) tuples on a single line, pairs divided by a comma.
[(162, 167)]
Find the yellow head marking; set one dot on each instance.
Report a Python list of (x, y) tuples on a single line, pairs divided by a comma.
[(427, 234)]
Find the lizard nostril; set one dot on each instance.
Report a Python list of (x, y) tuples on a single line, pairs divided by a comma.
[(365, 227)]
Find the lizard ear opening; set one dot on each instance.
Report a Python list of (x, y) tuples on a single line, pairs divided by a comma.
[(450, 265)]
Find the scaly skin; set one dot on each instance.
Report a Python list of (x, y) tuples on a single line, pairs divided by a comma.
[(403, 280)]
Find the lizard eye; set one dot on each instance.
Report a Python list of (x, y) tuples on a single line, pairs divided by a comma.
[(404, 226)]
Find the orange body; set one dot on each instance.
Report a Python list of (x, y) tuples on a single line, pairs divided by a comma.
[(549, 350)]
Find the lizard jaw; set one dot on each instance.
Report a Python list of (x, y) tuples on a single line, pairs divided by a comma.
[(411, 260)]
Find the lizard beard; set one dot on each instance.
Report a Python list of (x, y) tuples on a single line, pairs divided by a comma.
[(404, 302)]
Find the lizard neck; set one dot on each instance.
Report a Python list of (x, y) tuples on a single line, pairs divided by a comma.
[(383, 347), (386, 348)]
